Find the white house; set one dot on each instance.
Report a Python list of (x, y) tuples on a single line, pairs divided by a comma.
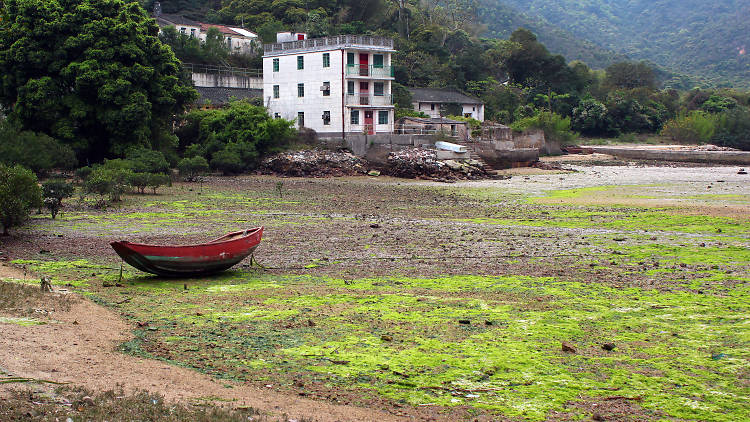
[(334, 85), (431, 101), (239, 40)]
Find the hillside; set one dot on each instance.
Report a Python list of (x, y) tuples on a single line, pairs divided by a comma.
[(707, 40)]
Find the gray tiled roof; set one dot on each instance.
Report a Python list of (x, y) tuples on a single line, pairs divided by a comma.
[(219, 96), (435, 95), (176, 20)]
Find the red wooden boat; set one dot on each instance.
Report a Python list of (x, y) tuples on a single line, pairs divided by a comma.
[(190, 260)]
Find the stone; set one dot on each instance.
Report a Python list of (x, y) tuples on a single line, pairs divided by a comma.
[(374, 173), (386, 337), (568, 348), (608, 346)]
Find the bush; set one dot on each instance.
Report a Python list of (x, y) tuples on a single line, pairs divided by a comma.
[(112, 181), (146, 160), (190, 168), (228, 162), (157, 180), (54, 191), (19, 194), (556, 128), (35, 151), (591, 118), (733, 129), (695, 127), (139, 181), (83, 173)]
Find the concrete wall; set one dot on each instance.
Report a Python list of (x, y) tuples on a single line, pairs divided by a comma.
[(713, 157), (226, 81)]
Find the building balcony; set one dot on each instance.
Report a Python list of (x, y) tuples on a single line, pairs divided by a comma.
[(371, 71), (369, 100)]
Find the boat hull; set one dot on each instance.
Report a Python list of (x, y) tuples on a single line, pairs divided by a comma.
[(191, 260)]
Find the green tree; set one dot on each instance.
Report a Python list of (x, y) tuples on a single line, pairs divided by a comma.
[(19, 194), (629, 75), (54, 191), (192, 167), (35, 151), (91, 73)]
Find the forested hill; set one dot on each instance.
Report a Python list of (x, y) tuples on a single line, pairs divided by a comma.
[(706, 39)]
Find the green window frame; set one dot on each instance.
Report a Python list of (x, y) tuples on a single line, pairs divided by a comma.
[(355, 117), (378, 89), (383, 117), (377, 61), (301, 119), (326, 59), (350, 59), (275, 65), (275, 91), (300, 62), (300, 90), (350, 87), (327, 90)]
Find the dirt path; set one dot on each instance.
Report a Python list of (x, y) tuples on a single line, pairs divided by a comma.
[(78, 346)]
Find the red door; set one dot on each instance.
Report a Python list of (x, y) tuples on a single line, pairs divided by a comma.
[(364, 62), (369, 126), (364, 93)]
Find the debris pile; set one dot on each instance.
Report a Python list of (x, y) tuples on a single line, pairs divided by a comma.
[(314, 163), (419, 163)]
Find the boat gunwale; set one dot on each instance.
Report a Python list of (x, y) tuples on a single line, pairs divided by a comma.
[(217, 241)]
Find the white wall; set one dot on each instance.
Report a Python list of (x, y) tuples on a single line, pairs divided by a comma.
[(474, 110)]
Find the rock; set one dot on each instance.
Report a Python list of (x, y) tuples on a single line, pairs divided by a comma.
[(374, 173), (375, 226), (453, 165), (88, 401), (568, 348), (314, 163), (598, 417), (464, 321), (742, 171), (311, 323), (386, 337), (608, 346)]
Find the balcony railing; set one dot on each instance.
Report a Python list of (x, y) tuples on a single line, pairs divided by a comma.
[(372, 71), (339, 41), (223, 71), (369, 100)]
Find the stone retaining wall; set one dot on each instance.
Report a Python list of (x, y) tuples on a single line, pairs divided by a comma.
[(711, 157)]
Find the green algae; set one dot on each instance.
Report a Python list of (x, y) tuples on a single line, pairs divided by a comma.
[(24, 322)]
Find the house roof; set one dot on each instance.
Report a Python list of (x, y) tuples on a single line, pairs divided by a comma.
[(219, 96), (176, 20), (434, 95), (227, 30)]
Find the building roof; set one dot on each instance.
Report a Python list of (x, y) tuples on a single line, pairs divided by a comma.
[(219, 96), (227, 30), (176, 20), (338, 42), (434, 95)]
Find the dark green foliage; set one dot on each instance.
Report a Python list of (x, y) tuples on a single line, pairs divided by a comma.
[(157, 180), (147, 161), (717, 104), (83, 172), (139, 181), (19, 194), (111, 178), (54, 191), (591, 118), (91, 73), (192, 167), (628, 75), (695, 127), (732, 129), (238, 136), (556, 128), (35, 151)]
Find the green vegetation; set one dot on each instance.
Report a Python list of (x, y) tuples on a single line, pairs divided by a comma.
[(19, 194), (53, 192), (34, 151)]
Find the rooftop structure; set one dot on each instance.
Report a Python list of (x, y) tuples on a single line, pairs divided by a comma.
[(432, 101), (331, 43)]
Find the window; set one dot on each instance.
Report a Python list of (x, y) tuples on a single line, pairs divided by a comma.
[(377, 61), (192, 33), (326, 59), (383, 117), (326, 117), (350, 87), (300, 90), (350, 59), (432, 107), (326, 88), (275, 65), (183, 30), (355, 117), (229, 42), (275, 91), (300, 62), (276, 115), (301, 119), (378, 89)]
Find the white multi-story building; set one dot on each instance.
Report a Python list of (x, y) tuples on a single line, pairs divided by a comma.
[(334, 85)]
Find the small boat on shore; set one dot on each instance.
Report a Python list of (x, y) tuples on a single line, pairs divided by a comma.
[(191, 260)]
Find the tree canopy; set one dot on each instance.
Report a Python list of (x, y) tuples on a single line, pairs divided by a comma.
[(91, 73)]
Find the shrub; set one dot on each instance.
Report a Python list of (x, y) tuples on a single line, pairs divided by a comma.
[(556, 128), (112, 181), (157, 180), (226, 161), (693, 128), (35, 151), (146, 160), (139, 181), (591, 118), (19, 194), (83, 173), (54, 191), (733, 129), (190, 168)]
